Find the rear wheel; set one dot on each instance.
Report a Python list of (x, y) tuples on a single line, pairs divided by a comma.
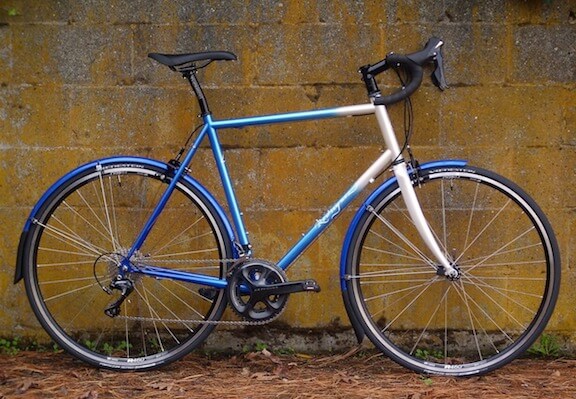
[(509, 265), (85, 228)]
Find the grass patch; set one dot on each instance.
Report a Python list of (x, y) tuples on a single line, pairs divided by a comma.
[(546, 347)]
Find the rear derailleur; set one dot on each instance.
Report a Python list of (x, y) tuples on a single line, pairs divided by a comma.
[(125, 286)]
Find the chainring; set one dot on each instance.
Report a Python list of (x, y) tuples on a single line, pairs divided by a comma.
[(245, 279)]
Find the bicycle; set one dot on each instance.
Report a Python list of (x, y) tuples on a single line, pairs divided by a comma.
[(129, 262)]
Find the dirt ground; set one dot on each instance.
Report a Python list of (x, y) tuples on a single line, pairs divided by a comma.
[(265, 375)]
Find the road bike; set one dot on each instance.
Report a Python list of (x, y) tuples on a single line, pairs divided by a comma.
[(129, 263)]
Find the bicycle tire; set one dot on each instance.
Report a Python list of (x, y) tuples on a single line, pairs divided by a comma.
[(504, 248), (93, 217)]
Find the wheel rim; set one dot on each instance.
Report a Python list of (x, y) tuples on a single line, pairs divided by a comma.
[(83, 233), (484, 318)]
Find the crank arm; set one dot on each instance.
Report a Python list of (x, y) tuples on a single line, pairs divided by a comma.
[(288, 288)]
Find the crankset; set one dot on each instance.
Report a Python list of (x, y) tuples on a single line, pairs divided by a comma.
[(258, 290)]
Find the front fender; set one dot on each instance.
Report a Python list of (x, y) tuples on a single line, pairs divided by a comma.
[(55, 188)]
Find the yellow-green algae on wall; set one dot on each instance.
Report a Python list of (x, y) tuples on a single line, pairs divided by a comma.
[(75, 84)]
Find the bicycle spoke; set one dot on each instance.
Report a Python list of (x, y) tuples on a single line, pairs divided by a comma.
[(74, 241), (403, 254), (70, 292), (114, 222), (106, 233), (60, 251), (495, 253), (157, 317), (72, 263), (405, 240), (507, 252), (388, 273), (484, 229), (432, 316), (472, 325), (470, 218), (75, 212), (465, 297), (471, 280), (69, 280), (127, 336), (195, 312), (443, 242), (107, 214), (392, 293), (196, 252), (80, 235), (69, 325), (186, 243), (426, 286), (175, 239), (381, 251), (194, 293), (484, 331), (507, 280), (152, 313)]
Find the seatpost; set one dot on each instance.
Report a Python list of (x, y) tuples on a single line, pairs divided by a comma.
[(193, 80)]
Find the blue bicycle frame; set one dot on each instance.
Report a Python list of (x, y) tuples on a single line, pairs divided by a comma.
[(211, 128)]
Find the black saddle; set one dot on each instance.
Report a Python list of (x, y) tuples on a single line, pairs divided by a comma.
[(185, 61)]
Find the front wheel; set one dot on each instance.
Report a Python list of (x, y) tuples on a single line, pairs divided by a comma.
[(77, 238), (504, 249)]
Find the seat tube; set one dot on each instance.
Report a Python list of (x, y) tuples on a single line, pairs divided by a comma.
[(227, 185)]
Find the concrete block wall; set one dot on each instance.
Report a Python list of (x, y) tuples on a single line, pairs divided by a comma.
[(75, 84)]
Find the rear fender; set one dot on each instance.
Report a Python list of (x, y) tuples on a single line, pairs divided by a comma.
[(55, 188)]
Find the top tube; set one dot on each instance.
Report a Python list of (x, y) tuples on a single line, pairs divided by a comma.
[(351, 110)]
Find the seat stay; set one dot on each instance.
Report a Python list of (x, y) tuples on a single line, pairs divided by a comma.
[(178, 173)]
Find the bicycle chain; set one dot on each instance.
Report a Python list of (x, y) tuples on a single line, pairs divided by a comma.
[(197, 260), (224, 322)]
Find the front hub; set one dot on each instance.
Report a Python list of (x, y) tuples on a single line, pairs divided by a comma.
[(454, 276)]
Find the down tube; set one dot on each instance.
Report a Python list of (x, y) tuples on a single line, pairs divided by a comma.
[(321, 224)]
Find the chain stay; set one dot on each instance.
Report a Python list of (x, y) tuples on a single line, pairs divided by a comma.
[(221, 322)]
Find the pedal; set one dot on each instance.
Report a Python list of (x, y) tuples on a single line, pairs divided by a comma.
[(311, 285), (290, 287), (208, 293)]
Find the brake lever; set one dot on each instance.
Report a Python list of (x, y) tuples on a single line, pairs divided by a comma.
[(437, 76)]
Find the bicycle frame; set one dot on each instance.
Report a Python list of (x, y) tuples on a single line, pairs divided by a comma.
[(391, 156), (434, 300)]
